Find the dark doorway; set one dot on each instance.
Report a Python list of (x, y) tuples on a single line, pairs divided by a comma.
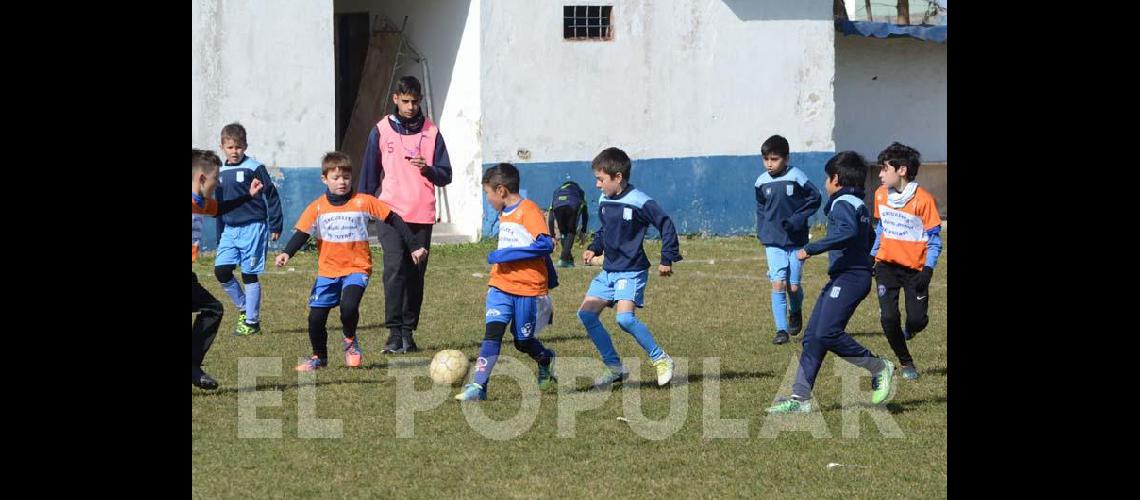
[(352, 35)]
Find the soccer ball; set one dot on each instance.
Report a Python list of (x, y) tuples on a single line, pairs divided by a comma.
[(448, 367)]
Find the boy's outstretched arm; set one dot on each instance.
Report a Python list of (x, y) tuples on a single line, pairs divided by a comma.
[(842, 226), (224, 207), (670, 245), (295, 243), (596, 246), (540, 247)]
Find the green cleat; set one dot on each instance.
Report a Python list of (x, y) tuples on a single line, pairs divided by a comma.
[(240, 322), (790, 405), (882, 383), (546, 380), (245, 329)]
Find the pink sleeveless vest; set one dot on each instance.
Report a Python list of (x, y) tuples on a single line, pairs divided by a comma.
[(405, 189)]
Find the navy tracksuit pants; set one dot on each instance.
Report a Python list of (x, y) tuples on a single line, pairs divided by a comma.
[(825, 329)]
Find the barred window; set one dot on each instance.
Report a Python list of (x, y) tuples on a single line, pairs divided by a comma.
[(587, 22)]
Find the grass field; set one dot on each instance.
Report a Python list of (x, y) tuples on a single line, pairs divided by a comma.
[(715, 306)]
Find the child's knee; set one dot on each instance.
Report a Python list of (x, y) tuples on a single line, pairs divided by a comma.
[(318, 316), (248, 278), (890, 316), (627, 321), (225, 273), (587, 318), (495, 331), (349, 309), (778, 286), (915, 325), (794, 288), (523, 345)]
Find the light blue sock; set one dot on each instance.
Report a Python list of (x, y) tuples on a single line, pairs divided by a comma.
[(780, 310), (600, 337), (233, 289), (796, 302), (628, 322), (252, 302)]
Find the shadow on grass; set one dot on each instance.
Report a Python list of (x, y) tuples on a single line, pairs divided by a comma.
[(427, 345), (693, 378), (895, 406), (275, 387)]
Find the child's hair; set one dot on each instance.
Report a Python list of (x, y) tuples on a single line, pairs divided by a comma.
[(850, 167), (409, 85), (204, 161), (335, 160), (234, 131), (902, 155), (612, 161), (775, 145), (503, 174)]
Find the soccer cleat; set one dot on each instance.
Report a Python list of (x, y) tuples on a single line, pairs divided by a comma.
[(790, 405), (882, 383), (352, 355), (240, 327), (664, 368), (393, 344), (795, 322), (203, 380), (313, 364), (612, 375), (565, 263), (780, 338), (909, 372), (400, 343), (546, 380), (246, 329), (410, 342), (472, 392)]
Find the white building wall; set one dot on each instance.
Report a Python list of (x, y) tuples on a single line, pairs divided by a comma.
[(890, 90), (267, 64), (679, 79)]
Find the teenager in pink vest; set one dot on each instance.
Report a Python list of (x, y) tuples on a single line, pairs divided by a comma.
[(404, 160)]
